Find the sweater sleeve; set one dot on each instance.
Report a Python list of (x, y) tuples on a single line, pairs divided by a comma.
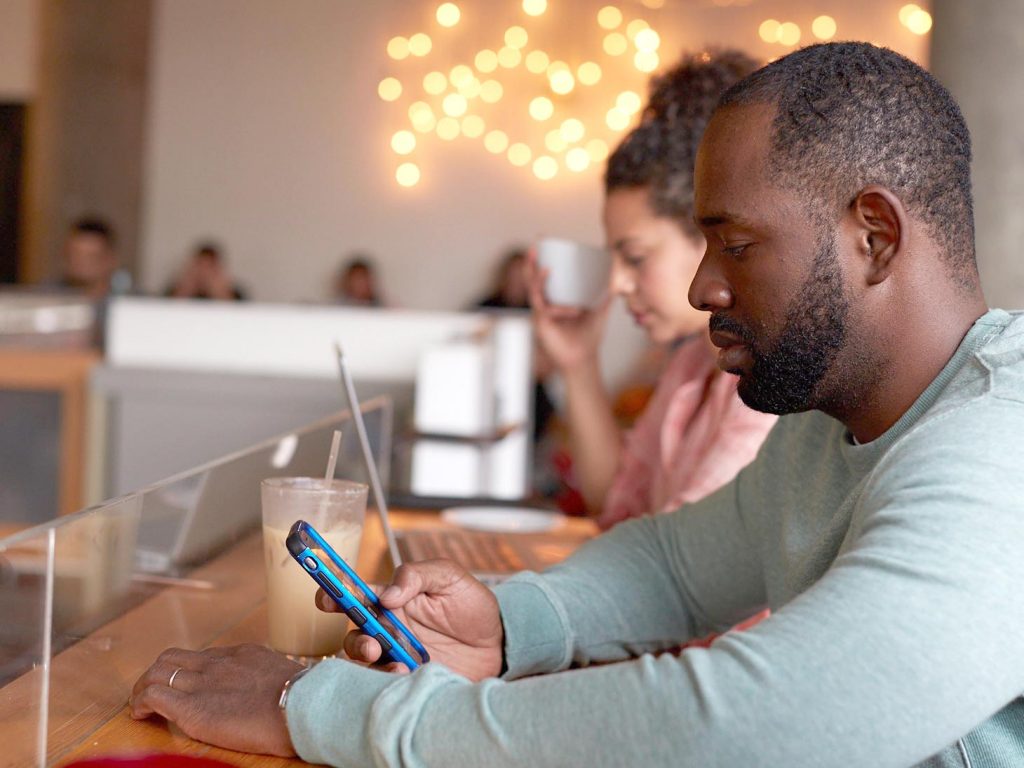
[(909, 640)]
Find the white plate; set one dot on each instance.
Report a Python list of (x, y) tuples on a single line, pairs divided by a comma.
[(503, 519)]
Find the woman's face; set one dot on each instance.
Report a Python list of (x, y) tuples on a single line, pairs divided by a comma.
[(653, 263)]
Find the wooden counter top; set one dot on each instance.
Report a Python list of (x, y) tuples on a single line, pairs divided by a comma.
[(90, 681)]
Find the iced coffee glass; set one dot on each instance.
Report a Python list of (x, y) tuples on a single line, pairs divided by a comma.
[(336, 509)]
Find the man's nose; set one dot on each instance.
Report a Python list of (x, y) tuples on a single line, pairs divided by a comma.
[(710, 290)]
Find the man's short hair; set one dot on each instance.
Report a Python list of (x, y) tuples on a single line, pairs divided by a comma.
[(659, 154), (852, 114), (91, 225)]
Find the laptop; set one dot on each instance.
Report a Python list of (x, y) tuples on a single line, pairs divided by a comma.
[(189, 518)]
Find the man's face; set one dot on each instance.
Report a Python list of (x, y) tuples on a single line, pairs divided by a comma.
[(770, 277), (88, 258)]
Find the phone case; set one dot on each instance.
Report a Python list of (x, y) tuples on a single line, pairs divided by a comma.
[(354, 597)]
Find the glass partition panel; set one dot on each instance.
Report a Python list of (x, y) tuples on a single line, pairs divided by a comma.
[(90, 600)]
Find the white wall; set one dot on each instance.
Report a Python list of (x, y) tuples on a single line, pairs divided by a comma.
[(19, 23), (266, 133)]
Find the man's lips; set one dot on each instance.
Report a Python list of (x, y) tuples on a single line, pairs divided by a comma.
[(734, 354)]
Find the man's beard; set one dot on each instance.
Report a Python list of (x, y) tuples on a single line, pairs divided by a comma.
[(785, 378)]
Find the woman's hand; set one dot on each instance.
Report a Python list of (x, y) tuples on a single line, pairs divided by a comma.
[(569, 336)]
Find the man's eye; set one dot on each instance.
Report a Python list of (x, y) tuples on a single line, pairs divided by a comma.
[(632, 260), (735, 250)]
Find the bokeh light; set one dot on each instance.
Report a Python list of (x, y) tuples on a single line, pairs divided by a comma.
[(509, 57), (534, 8), (420, 44), (919, 22), (398, 48), (435, 83), (789, 33), (491, 91), (448, 14), (389, 89), (403, 142), (562, 82), (615, 44), (516, 37), (572, 130), (545, 167), (408, 174), (577, 159), (629, 102), (473, 126), (541, 108), (537, 62), (554, 141), (635, 27), (470, 89), (769, 30), (454, 104), (422, 116), (647, 40), (486, 61), (597, 149), (519, 154), (616, 119), (448, 128), (824, 27), (646, 61), (460, 75), (609, 17), (906, 11), (589, 73), (496, 141)]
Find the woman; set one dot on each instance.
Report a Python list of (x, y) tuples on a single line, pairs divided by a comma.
[(695, 434)]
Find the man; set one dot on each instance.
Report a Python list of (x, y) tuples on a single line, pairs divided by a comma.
[(90, 258), (205, 277), (882, 523)]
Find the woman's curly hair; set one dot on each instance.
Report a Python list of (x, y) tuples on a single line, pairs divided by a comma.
[(659, 153)]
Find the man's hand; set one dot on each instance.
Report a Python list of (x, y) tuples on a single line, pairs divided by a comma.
[(454, 616), (223, 696)]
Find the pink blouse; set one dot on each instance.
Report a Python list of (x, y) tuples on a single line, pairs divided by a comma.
[(693, 437)]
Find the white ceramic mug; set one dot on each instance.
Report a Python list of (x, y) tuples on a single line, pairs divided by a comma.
[(577, 273)]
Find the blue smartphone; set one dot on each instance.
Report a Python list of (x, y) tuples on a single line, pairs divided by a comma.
[(356, 599)]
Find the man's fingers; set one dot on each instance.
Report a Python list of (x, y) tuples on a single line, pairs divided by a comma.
[(161, 672), (159, 700), (325, 602), (360, 647), (432, 577), (395, 667)]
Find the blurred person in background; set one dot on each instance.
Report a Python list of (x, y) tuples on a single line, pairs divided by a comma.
[(206, 276), (695, 434), (90, 262), (356, 284), (510, 289)]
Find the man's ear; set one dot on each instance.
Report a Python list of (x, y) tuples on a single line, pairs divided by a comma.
[(881, 223)]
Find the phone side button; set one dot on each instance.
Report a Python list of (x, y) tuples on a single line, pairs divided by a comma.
[(310, 564), (385, 644), (357, 616)]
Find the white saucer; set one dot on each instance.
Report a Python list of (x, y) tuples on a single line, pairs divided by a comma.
[(503, 519)]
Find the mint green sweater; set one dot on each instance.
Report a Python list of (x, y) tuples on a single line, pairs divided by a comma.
[(894, 571)]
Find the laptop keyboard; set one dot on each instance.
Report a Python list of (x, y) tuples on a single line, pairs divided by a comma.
[(476, 551)]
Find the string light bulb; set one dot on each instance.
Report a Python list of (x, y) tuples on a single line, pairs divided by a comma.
[(597, 149), (824, 27), (448, 128), (519, 154), (491, 91), (789, 34), (408, 174), (537, 62), (589, 73), (572, 130), (647, 40), (448, 14), (541, 108), (554, 141), (473, 126), (534, 8), (516, 37), (389, 89), (398, 48), (609, 17), (616, 119), (635, 27), (769, 30), (509, 57), (496, 142), (629, 102), (545, 167), (562, 82), (646, 61), (420, 44), (435, 83), (486, 61), (403, 142), (577, 159), (615, 44)]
